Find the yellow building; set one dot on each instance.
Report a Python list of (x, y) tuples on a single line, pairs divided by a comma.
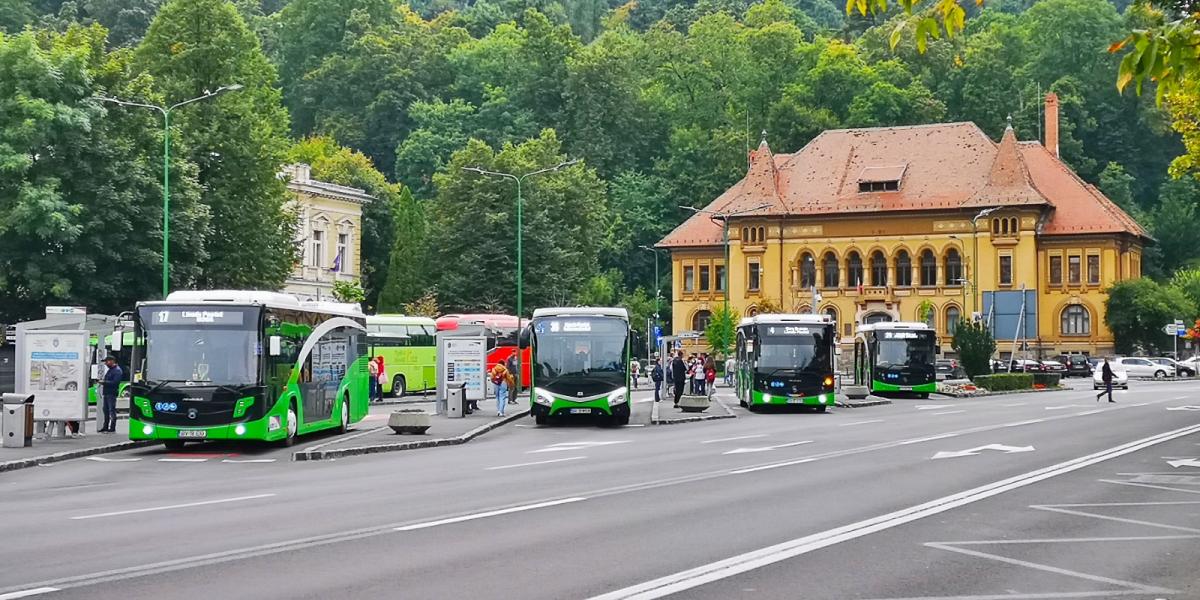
[(328, 233), (922, 223)]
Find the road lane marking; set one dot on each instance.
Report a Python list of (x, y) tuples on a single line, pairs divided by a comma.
[(490, 513), (928, 439), (934, 406), (1029, 422), (1016, 404), (767, 448), (1141, 404), (730, 439), (1067, 406), (860, 423), (977, 450), (949, 412), (735, 565), (539, 462), (345, 438), (572, 446), (249, 460), (1089, 412), (171, 507), (105, 459), (28, 593), (187, 460)]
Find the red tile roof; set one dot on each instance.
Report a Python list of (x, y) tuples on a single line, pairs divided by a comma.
[(946, 166)]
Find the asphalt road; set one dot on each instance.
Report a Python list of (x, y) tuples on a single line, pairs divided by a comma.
[(1058, 497)]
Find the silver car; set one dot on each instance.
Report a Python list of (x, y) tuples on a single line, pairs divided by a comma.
[(1120, 377), (1137, 366)]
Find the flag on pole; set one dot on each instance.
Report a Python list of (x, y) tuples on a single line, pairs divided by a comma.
[(337, 263), (860, 283)]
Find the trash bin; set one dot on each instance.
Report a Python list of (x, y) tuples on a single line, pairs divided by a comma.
[(17, 425), (456, 400)]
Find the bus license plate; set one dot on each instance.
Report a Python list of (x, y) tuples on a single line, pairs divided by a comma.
[(795, 400), (193, 433), (906, 388), (581, 411)]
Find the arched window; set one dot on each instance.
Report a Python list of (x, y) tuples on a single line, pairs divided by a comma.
[(1013, 226), (700, 320), (804, 309), (995, 226), (928, 268), (831, 270), (878, 269), (954, 272), (1004, 226), (877, 317), (903, 269), (745, 235), (753, 310), (952, 317), (832, 313), (762, 234), (854, 269), (931, 319), (1076, 320), (808, 271)]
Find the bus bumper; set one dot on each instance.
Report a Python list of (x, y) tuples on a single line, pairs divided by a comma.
[(925, 388), (249, 430), (758, 398), (597, 407)]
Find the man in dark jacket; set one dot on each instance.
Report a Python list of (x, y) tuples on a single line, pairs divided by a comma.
[(656, 375), (109, 389), (1106, 374), (678, 375)]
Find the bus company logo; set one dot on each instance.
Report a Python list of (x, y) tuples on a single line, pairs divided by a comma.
[(193, 399), (166, 406), (192, 413)]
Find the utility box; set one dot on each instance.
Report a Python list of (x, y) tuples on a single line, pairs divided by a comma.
[(456, 400), (17, 425)]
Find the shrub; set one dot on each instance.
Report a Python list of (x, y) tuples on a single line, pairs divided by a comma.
[(975, 346), (1002, 382), (1049, 380)]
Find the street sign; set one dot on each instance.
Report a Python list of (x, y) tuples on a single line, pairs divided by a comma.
[(1170, 329)]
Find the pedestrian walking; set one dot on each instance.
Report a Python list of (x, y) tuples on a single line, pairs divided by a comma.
[(513, 389), (730, 367), (710, 376), (678, 375), (109, 389), (373, 374), (1106, 374), (699, 377), (499, 376), (656, 376), (381, 379), (635, 369)]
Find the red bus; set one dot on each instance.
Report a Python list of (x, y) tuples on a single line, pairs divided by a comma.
[(501, 331)]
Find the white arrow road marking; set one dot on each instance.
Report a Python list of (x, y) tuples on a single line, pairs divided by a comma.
[(1061, 407), (27, 593), (730, 439), (104, 459), (767, 448), (974, 451), (571, 446), (1183, 407), (1186, 462), (934, 406)]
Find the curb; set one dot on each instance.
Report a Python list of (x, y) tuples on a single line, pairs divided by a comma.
[(413, 445), (862, 403), (729, 414), (35, 461)]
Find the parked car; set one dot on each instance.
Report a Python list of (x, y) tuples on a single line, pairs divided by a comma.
[(1077, 365), (1026, 366), (1137, 366), (1192, 363), (1053, 366), (948, 368), (1120, 376), (998, 366), (1180, 368)]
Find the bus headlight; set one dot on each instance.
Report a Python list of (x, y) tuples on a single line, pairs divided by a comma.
[(147, 429), (828, 381), (240, 429), (618, 396), (542, 397), (766, 397)]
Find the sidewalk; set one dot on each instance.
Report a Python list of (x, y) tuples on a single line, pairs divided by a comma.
[(46, 451), (665, 413)]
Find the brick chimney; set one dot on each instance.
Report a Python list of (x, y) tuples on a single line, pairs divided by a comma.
[(1052, 123)]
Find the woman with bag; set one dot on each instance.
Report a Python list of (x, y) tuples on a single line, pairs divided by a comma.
[(710, 375)]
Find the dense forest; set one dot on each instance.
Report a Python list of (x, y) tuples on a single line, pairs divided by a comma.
[(659, 100)]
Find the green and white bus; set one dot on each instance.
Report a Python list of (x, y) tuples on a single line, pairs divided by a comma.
[(896, 357), (409, 352), (580, 363), (245, 365), (786, 359)]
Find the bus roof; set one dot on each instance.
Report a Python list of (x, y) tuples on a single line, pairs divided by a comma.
[(494, 321), (255, 298), (395, 319), (807, 319), (895, 325), (581, 311)]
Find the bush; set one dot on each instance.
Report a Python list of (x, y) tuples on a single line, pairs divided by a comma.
[(1002, 382), (975, 346), (1049, 380)]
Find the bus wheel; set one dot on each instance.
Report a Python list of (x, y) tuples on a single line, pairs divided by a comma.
[(621, 420), (345, 423), (821, 408), (750, 407), (398, 386), (292, 426), (742, 402), (541, 419), (173, 444), (923, 395)]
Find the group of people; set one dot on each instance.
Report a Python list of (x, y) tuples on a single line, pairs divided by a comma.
[(698, 372), (378, 373)]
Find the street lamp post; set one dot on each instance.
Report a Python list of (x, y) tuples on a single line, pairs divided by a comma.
[(975, 255), (657, 288), (519, 179), (724, 217), (166, 115)]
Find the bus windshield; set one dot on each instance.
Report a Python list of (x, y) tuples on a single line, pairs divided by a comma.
[(584, 354), (797, 348), (904, 348), (201, 345)]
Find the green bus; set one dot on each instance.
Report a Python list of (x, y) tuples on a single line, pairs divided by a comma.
[(580, 363), (786, 360), (409, 352), (245, 365), (896, 357)]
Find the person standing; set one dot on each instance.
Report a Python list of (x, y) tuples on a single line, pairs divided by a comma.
[(710, 375), (381, 379), (678, 375), (499, 376), (373, 387), (635, 369), (513, 390), (656, 376), (730, 367), (698, 376), (1106, 374), (109, 389)]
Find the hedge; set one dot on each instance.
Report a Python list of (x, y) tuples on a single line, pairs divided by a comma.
[(1001, 382), (1049, 380)]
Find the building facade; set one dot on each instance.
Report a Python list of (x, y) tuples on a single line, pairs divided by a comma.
[(328, 233), (923, 223)]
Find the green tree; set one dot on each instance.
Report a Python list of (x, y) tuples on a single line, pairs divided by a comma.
[(1188, 282), (407, 267), (722, 330), (238, 140), (1174, 224), (349, 292), (975, 346), (15, 14), (1136, 311)]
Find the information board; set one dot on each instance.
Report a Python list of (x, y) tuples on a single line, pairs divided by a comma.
[(464, 360), (54, 369)]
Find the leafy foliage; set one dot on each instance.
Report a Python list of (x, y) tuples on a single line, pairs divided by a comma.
[(721, 332), (425, 306), (348, 291), (1136, 311), (975, 346)]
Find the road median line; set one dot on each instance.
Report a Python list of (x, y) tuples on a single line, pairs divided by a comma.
[(312, 455)]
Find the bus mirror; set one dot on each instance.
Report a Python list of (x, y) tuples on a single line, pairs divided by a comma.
[(523, 338), (276, 344), (117, 336), (937, 350)]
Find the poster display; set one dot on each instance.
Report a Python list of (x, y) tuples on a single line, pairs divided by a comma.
[(56, 373), (465, 360)]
